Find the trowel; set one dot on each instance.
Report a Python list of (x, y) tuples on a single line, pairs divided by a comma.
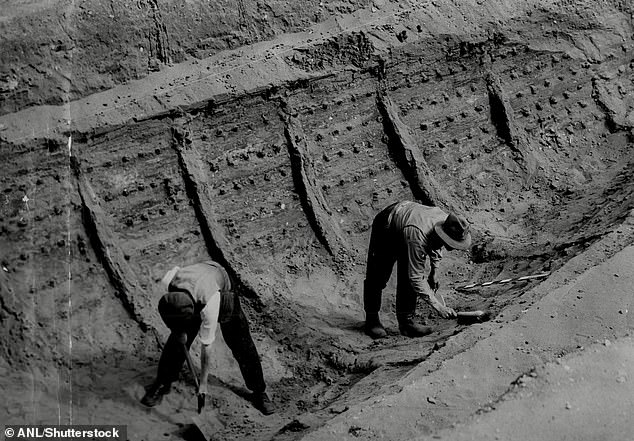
[(190, 364), (207, 424)]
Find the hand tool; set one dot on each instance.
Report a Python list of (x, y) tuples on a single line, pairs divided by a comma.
[(190, 364), (209, 424), (465, 317)]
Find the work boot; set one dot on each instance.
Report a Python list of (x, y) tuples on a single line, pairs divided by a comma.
[(409, 328), (373, 326), (154, 394), (263, 403)]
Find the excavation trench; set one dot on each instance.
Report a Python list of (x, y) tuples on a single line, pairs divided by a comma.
[(281, 185)]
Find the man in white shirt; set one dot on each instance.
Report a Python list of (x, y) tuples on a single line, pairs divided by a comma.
[(199, 297)]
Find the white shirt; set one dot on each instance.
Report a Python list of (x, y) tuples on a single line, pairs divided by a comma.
[(203, 281), (209, 315)]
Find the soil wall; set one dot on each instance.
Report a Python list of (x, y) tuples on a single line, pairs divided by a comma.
[(522, 122), (55, 52)]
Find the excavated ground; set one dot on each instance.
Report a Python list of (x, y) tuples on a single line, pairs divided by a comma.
[(516, 114)]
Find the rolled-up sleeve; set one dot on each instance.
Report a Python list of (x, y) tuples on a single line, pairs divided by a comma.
[(209, 316), (416, 256)]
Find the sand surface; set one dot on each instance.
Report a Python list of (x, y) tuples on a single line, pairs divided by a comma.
[(269, 144)]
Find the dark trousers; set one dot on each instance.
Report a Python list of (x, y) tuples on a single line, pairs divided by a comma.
[(236, 333), (386, 248)]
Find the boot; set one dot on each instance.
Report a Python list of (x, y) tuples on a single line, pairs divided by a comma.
[(373, 326), (409, 328), (263, 403), (154, 394)]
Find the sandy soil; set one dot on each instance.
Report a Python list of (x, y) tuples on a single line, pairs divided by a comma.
[(474, 384), (58, 51), (586, 396), (274, 157)]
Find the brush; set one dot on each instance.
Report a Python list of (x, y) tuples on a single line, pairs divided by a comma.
[(468, 317)]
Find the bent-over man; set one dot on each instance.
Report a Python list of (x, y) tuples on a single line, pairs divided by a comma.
[(407, 232), (199, 297)]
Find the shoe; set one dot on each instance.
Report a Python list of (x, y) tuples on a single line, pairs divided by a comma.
[(263, 403), (154, 394), (409, 328), (373, 326)]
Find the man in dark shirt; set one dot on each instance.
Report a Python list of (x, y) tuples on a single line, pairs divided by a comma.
[(408, 232)]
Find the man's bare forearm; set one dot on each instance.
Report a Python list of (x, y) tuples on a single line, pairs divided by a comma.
[(205, 366)]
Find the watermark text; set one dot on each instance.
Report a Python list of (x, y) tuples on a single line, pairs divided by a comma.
[(65, 432)]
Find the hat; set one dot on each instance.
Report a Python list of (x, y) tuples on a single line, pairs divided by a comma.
[(176, 309), (167, 278), (454, 231)]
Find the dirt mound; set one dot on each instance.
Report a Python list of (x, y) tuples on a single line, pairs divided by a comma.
[(512, 119)]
